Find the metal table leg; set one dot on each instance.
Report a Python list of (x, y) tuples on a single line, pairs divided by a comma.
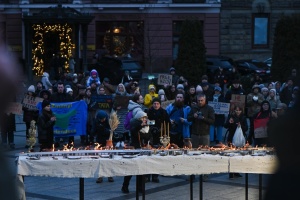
[(191, 187), (137, 187), (81, 188), (201, 187), (260, 186), (246, 186), (143, 186)]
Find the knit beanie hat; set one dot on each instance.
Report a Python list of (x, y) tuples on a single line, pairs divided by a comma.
[(31, 89), (264, 89), (161, 91), (151, 86), (101, 114), (45, 103), (69, 90), (273, 90), (140, 114), (156, 100), (199, 88), (180, 86), (218, 88), (172, 69)]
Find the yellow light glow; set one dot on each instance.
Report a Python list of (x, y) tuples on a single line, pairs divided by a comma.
[(66, 45)]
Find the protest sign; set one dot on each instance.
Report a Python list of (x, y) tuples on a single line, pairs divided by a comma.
[(237, 99), (31, 102), (15, 108), (103, 102), (220, 107), (164, 79)]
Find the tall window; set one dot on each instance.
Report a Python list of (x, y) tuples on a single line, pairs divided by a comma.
[(260, 30), (121, 38), (176, 33)]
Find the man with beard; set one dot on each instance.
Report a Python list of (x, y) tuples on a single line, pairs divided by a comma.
[(180, 126), (202, 116)]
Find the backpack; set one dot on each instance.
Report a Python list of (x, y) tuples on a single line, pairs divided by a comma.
[(128, 117)]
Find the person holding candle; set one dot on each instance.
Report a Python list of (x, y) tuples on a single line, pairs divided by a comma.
[(160, 117), (179, 125)]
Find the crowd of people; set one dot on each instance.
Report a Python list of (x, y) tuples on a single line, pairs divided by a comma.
[(191, 121)]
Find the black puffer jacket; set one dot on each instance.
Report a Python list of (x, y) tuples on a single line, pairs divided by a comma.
[(138, 139), (45, 128)]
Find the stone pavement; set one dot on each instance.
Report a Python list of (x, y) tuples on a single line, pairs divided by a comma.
[(218, 186)]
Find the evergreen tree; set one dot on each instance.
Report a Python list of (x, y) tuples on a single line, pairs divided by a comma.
[(190, 62), (286, 51)]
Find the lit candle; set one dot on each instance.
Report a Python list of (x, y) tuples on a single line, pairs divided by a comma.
[(165, 128), (161, 129)]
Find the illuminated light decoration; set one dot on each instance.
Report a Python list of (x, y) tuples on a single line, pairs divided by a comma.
[(120, 44), (66, 46)]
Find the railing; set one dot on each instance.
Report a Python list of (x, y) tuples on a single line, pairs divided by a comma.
[(50, 1)]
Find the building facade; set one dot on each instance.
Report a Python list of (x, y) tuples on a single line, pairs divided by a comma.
[(247, 26), (147, 30)]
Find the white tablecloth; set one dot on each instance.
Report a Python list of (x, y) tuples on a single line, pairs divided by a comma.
[(165, 165)]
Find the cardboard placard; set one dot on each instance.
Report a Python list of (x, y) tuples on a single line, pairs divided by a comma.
[(220, 107), (101, 102), (15, 108), (164, 79), (238, 99), (31, 102)]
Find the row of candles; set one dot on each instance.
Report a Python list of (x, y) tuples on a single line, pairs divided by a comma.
[(164, 130)]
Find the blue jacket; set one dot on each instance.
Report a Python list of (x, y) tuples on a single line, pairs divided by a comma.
[(186, 123)]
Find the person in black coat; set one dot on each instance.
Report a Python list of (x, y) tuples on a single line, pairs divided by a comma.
[(217, 128), (30, 113), (234, 89), (235, 119), (159, 115), (100, 127), (101, 130), (140, 137), (45, 124), (59, 97), (8, 126)]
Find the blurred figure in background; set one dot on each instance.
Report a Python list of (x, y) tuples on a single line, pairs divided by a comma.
[(11, 187)]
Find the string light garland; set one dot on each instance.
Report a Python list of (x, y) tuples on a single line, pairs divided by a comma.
[(66, 46)]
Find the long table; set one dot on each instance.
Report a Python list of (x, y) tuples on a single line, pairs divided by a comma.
[(94, 167)]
